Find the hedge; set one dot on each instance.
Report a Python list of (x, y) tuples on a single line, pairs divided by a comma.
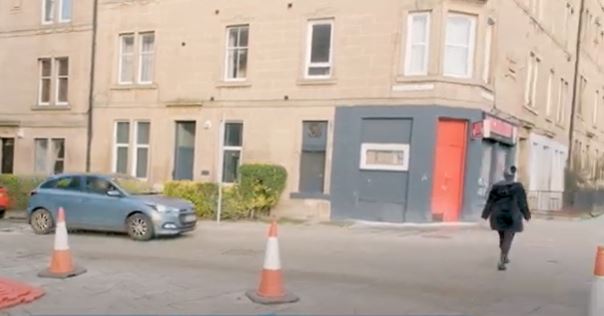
[(19, 188), (258, 190)]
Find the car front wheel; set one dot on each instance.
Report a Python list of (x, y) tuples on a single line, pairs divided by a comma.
[(42, 222), (140, 227)]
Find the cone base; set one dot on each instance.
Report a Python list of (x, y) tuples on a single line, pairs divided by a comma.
[(49, 274), (265, 300)]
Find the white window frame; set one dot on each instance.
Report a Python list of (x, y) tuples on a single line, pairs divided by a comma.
[(236, 49), (121, 55), (140, 57), (365, 147), (488, 53), (532, 81), (582, 95), (550, 91), (42, 78), (224, 148), (536, 7), (309, 35), (136, 146), (117, 145), (61, 18), (410, 44), (595, 108), (562, 99), (52, 12), (471, 46), (55, 78)]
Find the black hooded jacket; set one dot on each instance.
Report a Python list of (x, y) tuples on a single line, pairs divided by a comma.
[(507, 206)]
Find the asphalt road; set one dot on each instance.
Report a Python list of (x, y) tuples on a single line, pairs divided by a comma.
[(334, 270)]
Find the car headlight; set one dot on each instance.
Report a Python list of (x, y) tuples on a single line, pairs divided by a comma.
[(162, 208)]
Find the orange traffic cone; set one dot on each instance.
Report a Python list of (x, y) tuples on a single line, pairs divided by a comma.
[(61, 265), (596, 306), (271, 289)]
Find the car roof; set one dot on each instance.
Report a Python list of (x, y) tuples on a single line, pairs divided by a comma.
[(86, 174)]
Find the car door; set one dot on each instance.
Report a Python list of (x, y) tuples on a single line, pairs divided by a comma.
[(103, 212), (66, 192)]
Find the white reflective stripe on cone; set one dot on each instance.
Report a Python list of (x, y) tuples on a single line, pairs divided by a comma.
[(596, 307), (61, 237), (271, 258)]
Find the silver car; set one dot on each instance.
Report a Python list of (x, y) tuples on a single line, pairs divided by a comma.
[(112, 203)]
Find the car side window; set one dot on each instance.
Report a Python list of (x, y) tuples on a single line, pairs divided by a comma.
[(98, 185), (65, 183)]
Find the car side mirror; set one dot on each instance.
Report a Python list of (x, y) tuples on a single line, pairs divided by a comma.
[(114, 193)]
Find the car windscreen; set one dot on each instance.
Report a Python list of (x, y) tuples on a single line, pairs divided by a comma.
[(134, 186)]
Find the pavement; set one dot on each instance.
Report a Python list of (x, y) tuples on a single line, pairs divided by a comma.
[(336, 270)]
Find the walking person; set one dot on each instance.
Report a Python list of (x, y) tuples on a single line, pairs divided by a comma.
[(506, 207)]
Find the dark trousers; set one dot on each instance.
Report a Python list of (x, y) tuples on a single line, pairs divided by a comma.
[(505, 241)]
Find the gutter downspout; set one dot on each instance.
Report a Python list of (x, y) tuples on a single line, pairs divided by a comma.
[(571, 132), (91, 87)]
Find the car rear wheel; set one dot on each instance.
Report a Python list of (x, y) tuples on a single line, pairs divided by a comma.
[(42, 222), (140, 227)]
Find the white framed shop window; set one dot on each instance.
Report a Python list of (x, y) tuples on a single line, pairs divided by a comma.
[(386, 157)]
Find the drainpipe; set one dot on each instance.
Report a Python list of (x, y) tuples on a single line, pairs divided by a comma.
[(91, 87), (575, 85)]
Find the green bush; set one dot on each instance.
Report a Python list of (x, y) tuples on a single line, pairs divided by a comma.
[(19, 188), (258, 190), (261, 186), (202, 195)]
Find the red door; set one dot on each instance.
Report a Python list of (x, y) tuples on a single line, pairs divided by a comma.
[(447, 190)]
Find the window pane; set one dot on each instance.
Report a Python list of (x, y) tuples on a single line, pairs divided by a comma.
[(420, 29), (65, 10), (418, 59), (385, 157), (127, 44), (243, 36), (233, 37), (127, 68), (46, 67), (231, 64), (321, 42), (63, 65), (123, 132), (98, 185), (41, 155), (45, 93), (458, 31), (121, 162), (68, 183), (48, 10), (233, 134), (312, 160), (231, 165), (319, 71), (148, 43), (142, 158), (58, 147), (315, 135), (63, 90), (312, 170), (143, 133), (242, 64), (456, 61), (146, 68), (59, 167)]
